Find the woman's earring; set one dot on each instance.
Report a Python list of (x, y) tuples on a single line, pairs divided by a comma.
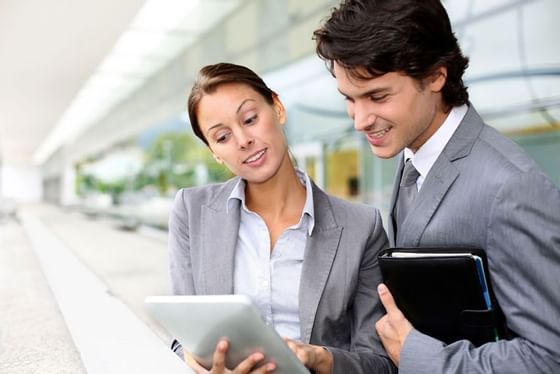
[(218, 160)]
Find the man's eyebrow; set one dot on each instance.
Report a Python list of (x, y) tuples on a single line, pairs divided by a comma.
[(243, 103), (376, 91), (372, 92), (342, 93)]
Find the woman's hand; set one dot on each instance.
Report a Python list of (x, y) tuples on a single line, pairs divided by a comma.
[(219, 360), (314, 357)]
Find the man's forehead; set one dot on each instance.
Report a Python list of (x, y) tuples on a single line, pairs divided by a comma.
[(352, 80), (341, 69), (358, 76)]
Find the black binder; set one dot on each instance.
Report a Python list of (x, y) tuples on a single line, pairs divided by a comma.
[(445, 293)]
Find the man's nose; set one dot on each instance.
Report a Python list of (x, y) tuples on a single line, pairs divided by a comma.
[(363, 117)]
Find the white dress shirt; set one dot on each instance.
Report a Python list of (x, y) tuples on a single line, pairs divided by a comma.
[(426, 156), (271, 278)]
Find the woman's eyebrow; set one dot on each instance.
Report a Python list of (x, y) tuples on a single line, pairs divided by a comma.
[(243, 103), (237, 111), (217, 125)]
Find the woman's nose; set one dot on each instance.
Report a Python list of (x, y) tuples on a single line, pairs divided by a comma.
[(244, 140)]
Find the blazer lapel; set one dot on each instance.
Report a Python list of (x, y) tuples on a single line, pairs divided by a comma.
[(221, 229), (319, 255), (391, 224), (440, 178)]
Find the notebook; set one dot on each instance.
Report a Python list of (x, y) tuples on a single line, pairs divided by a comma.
[(444, 292)]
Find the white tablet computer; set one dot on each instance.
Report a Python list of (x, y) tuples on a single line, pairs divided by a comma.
[(198, 322)]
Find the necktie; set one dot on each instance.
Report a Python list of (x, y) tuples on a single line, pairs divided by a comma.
[(407, 193)]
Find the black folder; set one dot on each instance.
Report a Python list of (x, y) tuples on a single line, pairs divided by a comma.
[(445, 293)]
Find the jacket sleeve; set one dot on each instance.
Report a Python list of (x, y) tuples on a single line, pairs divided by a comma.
[(180, 266), (362, 357), (523, 245)]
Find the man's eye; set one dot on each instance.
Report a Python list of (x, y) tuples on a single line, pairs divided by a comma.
[(378, 97)]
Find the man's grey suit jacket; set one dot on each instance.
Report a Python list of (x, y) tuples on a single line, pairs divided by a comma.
[(337, 298), (484, 191)]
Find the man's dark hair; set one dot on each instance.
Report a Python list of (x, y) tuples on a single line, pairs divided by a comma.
[(372, 37)]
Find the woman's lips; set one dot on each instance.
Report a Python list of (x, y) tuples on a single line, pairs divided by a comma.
[(255, 157)]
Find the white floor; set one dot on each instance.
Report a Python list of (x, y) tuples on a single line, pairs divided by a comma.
[(98, 277)]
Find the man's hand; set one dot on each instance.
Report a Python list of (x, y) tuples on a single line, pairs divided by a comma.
[(314, 357), (393, 327)]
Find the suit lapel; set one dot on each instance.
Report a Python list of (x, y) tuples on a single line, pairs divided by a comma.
[(440, 178), (221, 229), (319, 255), (396, 182)]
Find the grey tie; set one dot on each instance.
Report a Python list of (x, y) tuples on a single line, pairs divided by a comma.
[(407, 193)]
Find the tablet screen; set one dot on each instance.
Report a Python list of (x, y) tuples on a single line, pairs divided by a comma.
[(198, 322)]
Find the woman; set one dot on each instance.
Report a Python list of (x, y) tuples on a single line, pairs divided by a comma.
[(306, 259)]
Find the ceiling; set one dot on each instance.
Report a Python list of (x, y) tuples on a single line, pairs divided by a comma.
[(49, 49)]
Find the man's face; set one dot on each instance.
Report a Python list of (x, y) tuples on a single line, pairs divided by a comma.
[(393, 110)]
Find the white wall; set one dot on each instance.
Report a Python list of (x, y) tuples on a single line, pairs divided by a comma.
[(21, 183)]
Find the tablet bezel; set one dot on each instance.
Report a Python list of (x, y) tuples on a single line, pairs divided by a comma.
[(198, 322)]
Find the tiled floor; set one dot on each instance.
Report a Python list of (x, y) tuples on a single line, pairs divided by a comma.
[(71, 296)]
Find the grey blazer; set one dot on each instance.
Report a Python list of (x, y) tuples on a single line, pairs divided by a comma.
[(337, 298), (484, 191)]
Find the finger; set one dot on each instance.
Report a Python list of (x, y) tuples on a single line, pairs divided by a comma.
[(219, 357), (297, 349), (193, 364), (246, 365), (381, 327), (271, 366), (302, 354), (387, 299), (291, 344)]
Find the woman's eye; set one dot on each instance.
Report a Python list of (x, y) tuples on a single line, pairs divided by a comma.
[(220, 138), (250, 120)]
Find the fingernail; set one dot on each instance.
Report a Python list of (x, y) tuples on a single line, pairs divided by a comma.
[(381, 288)]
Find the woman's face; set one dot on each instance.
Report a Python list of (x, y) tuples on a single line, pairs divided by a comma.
[(243, 131)]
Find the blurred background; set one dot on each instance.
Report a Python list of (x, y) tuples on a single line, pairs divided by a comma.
[(95, 140)]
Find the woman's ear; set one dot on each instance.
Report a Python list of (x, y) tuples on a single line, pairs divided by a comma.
[(279, 109)]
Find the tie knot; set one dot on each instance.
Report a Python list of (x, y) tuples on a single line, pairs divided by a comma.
[(410, 174)]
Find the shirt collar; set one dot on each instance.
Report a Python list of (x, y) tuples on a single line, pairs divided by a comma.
[(238, 193), (426, 156)]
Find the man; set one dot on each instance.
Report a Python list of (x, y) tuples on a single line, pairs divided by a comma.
[(399, 66)]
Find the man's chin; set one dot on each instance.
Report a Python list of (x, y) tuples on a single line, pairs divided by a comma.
[(384, 152)]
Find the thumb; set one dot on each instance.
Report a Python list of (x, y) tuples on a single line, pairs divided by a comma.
[(387, 299)]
